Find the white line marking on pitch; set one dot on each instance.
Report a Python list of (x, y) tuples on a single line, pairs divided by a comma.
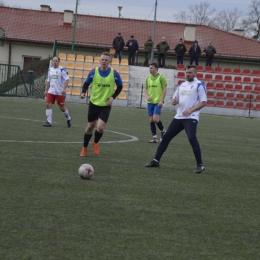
[(133, 138)]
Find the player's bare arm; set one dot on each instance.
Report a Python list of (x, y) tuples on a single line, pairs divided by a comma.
[(66, 83), (163, 96), (175, 101), (47, 88), (146, 94), (197, 107)]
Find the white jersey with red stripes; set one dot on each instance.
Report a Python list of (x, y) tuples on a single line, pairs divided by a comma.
[(57, 78)]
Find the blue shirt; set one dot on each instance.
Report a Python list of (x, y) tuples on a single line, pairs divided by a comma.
[(91, 74)]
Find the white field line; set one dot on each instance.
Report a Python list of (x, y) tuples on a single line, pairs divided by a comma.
[(132, 138)]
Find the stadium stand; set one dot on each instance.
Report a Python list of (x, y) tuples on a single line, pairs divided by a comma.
[(62, 56), (71, 57), (80, 58)]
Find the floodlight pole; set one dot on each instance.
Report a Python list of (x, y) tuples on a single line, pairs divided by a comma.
[(74, 29), (154, 30), (119, 9)]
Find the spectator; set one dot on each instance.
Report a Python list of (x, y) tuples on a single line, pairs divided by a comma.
[(195, 52), (118, 45), (210, 51), (180, 50), (162, 48), (133, 47), (148, 46)]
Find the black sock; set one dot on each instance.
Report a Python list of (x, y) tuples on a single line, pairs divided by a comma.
[(160, 125), (86, 140), (97, 136), (153, 128)]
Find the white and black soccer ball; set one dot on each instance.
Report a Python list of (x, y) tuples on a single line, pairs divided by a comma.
[(86, 171)]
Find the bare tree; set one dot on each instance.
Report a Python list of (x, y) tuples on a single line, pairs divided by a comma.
[(182, 17), (201, 13), (2, 3), (226, 20), (251, 23)]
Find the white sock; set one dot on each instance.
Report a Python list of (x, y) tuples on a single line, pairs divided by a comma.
[(66, 114), (155, 136), (49, 115)]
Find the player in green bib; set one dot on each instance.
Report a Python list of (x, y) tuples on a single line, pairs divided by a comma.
[(103, 80), (155, 92)]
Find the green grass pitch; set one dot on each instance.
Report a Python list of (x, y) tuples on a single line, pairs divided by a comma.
[(126, 211)]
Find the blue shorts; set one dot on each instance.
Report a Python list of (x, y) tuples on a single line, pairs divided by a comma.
[(153, 109)]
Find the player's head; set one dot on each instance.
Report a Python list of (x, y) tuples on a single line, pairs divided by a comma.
[(55, 61), (154, 68), (104, 60), (191, 72)]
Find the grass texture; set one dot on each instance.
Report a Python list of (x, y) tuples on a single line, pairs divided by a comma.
[(126, 211)]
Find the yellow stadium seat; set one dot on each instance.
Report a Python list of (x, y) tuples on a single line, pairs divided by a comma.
[(115, 67), (89, 59), (97, 59), (124, 62), (79, 58), (78, 74), (122, 95), (77, 83), (115, 61), (70, 65), (62, 56), (76, 92), (62, 64), (88, 66), (85, 74), (125, 87), (70, 73), (124, 70), (125, 78), (68, 91), (79, 66), (71, 57)]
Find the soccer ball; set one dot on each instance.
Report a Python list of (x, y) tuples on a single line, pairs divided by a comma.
[(85, 171)]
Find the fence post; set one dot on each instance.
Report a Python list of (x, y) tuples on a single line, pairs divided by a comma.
[(141, 100), (249, 112)]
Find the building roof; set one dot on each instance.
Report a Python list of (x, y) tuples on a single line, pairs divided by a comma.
[(46, 26)]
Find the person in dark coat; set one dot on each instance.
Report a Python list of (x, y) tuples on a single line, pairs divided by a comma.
[(118, 45), (210, 51), (180, 50), (133, 48), (148, 46), (194, 52)]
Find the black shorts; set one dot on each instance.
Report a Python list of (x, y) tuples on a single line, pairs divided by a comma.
[(96, 112)]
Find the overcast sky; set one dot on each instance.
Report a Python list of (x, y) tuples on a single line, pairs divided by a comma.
[(141, 9)]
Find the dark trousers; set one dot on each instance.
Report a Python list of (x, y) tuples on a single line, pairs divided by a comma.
[(194, 58), (131, 58), (179, 60), (118, 54), (175, 127), (147, 56), (161, 60), (209, 61)]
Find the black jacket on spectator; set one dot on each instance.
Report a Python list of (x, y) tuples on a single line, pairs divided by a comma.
[(195, 52), (134, 47), (118, 43), (180, 49)]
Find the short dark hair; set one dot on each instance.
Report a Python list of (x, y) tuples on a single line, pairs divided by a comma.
[(56, 57), (154, 64), (192, 67)]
